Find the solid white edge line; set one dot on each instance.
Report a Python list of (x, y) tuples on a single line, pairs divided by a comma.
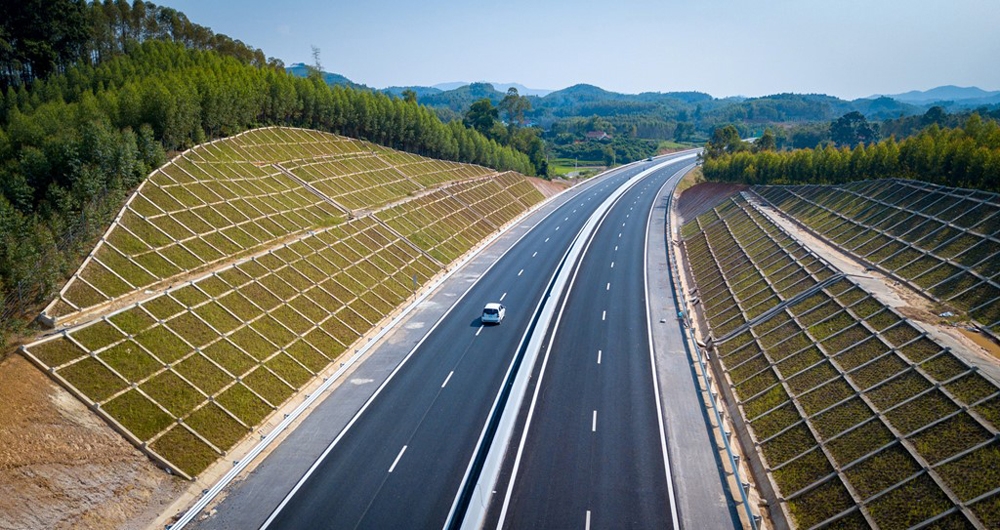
[(652, 358), (432, 288), (446, 379), (466, 521), (538, 384), (396, 461)]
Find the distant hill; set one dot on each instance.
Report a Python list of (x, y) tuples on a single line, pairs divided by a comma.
[(502, 87), (301, 70), (451, 100), (945, 93), (421, 91)]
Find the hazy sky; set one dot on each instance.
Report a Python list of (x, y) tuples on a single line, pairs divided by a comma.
[(846, 48)]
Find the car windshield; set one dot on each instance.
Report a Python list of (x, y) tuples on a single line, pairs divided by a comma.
[(490, 311)]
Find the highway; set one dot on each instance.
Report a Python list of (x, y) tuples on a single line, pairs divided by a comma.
[(402, 459), (593, 452)]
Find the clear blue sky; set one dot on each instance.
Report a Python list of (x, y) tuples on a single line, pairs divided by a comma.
[(846, 48)]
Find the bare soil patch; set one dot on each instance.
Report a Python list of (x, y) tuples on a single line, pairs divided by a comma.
[(62, 467), (549, 187), (701, 198)]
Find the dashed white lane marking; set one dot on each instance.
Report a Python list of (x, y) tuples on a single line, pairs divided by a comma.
[(446, 379), (623, 224), (608, 288), (400, 455), (480, 329), (616, 248), (593, 425), (598, 356), (546, 240), (504, 295), (535, 254), (566, 219), (557, 228), (619, 234), (604, 315), (587, 526), (612, 264), (521, 272)]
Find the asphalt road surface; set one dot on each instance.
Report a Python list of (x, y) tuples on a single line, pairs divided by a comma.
[(593, 454), (401, 461)]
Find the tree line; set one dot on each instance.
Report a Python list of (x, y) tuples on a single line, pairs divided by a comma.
[(967, 156), (73, 144), (41, 37)]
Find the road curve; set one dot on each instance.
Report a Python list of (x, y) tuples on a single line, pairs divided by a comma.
[(593, 454), (402, 460)]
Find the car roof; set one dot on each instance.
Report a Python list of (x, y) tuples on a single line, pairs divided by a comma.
[(493, 305)]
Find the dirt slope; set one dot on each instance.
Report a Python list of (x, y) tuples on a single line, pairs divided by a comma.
[(62, 467)]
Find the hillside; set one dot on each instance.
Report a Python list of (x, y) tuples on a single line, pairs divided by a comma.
[(244, 267), (75, 144), (857, 405)]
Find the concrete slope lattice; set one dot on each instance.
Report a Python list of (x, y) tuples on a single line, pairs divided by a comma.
[(244, 267)]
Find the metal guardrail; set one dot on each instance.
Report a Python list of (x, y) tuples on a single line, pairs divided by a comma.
[(684, 314)]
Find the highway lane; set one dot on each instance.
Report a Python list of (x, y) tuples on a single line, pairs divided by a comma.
[(402, 459), (593, 455)]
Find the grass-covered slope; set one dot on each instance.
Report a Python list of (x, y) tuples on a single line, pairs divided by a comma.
[(860, 419), (942, 241), (231, 278)]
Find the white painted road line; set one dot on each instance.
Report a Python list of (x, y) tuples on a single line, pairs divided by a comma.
[(504, 295), (546, 240), (593, 428), (604, 315), (478, 330), (587, 526), (598, 356), (608, 288), (446, 379), (520, 272), (616, 248), (612, 264), (400, 455), (535, 254)]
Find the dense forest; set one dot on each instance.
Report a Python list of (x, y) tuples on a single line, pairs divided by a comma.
[(84, 120), (966, 156)]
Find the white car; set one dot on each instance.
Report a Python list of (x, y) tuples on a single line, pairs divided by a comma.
[(493, 313)]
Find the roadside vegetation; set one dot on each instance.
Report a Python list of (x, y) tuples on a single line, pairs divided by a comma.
[(966, 155), (94, 96)]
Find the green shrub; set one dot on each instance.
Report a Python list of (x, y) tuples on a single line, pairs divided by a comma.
[(825, 396), (913, 502), (975, 473), (56, 352), (138, 414), (820, 503), (971, 388), (249, 408), (921, 411), (172, 393), (882, 470), (802, 472), (950, 437), (93, 379), (216, 426), (787, 445), (184, 450), (773, 422), (841, 418), (130, 361)]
